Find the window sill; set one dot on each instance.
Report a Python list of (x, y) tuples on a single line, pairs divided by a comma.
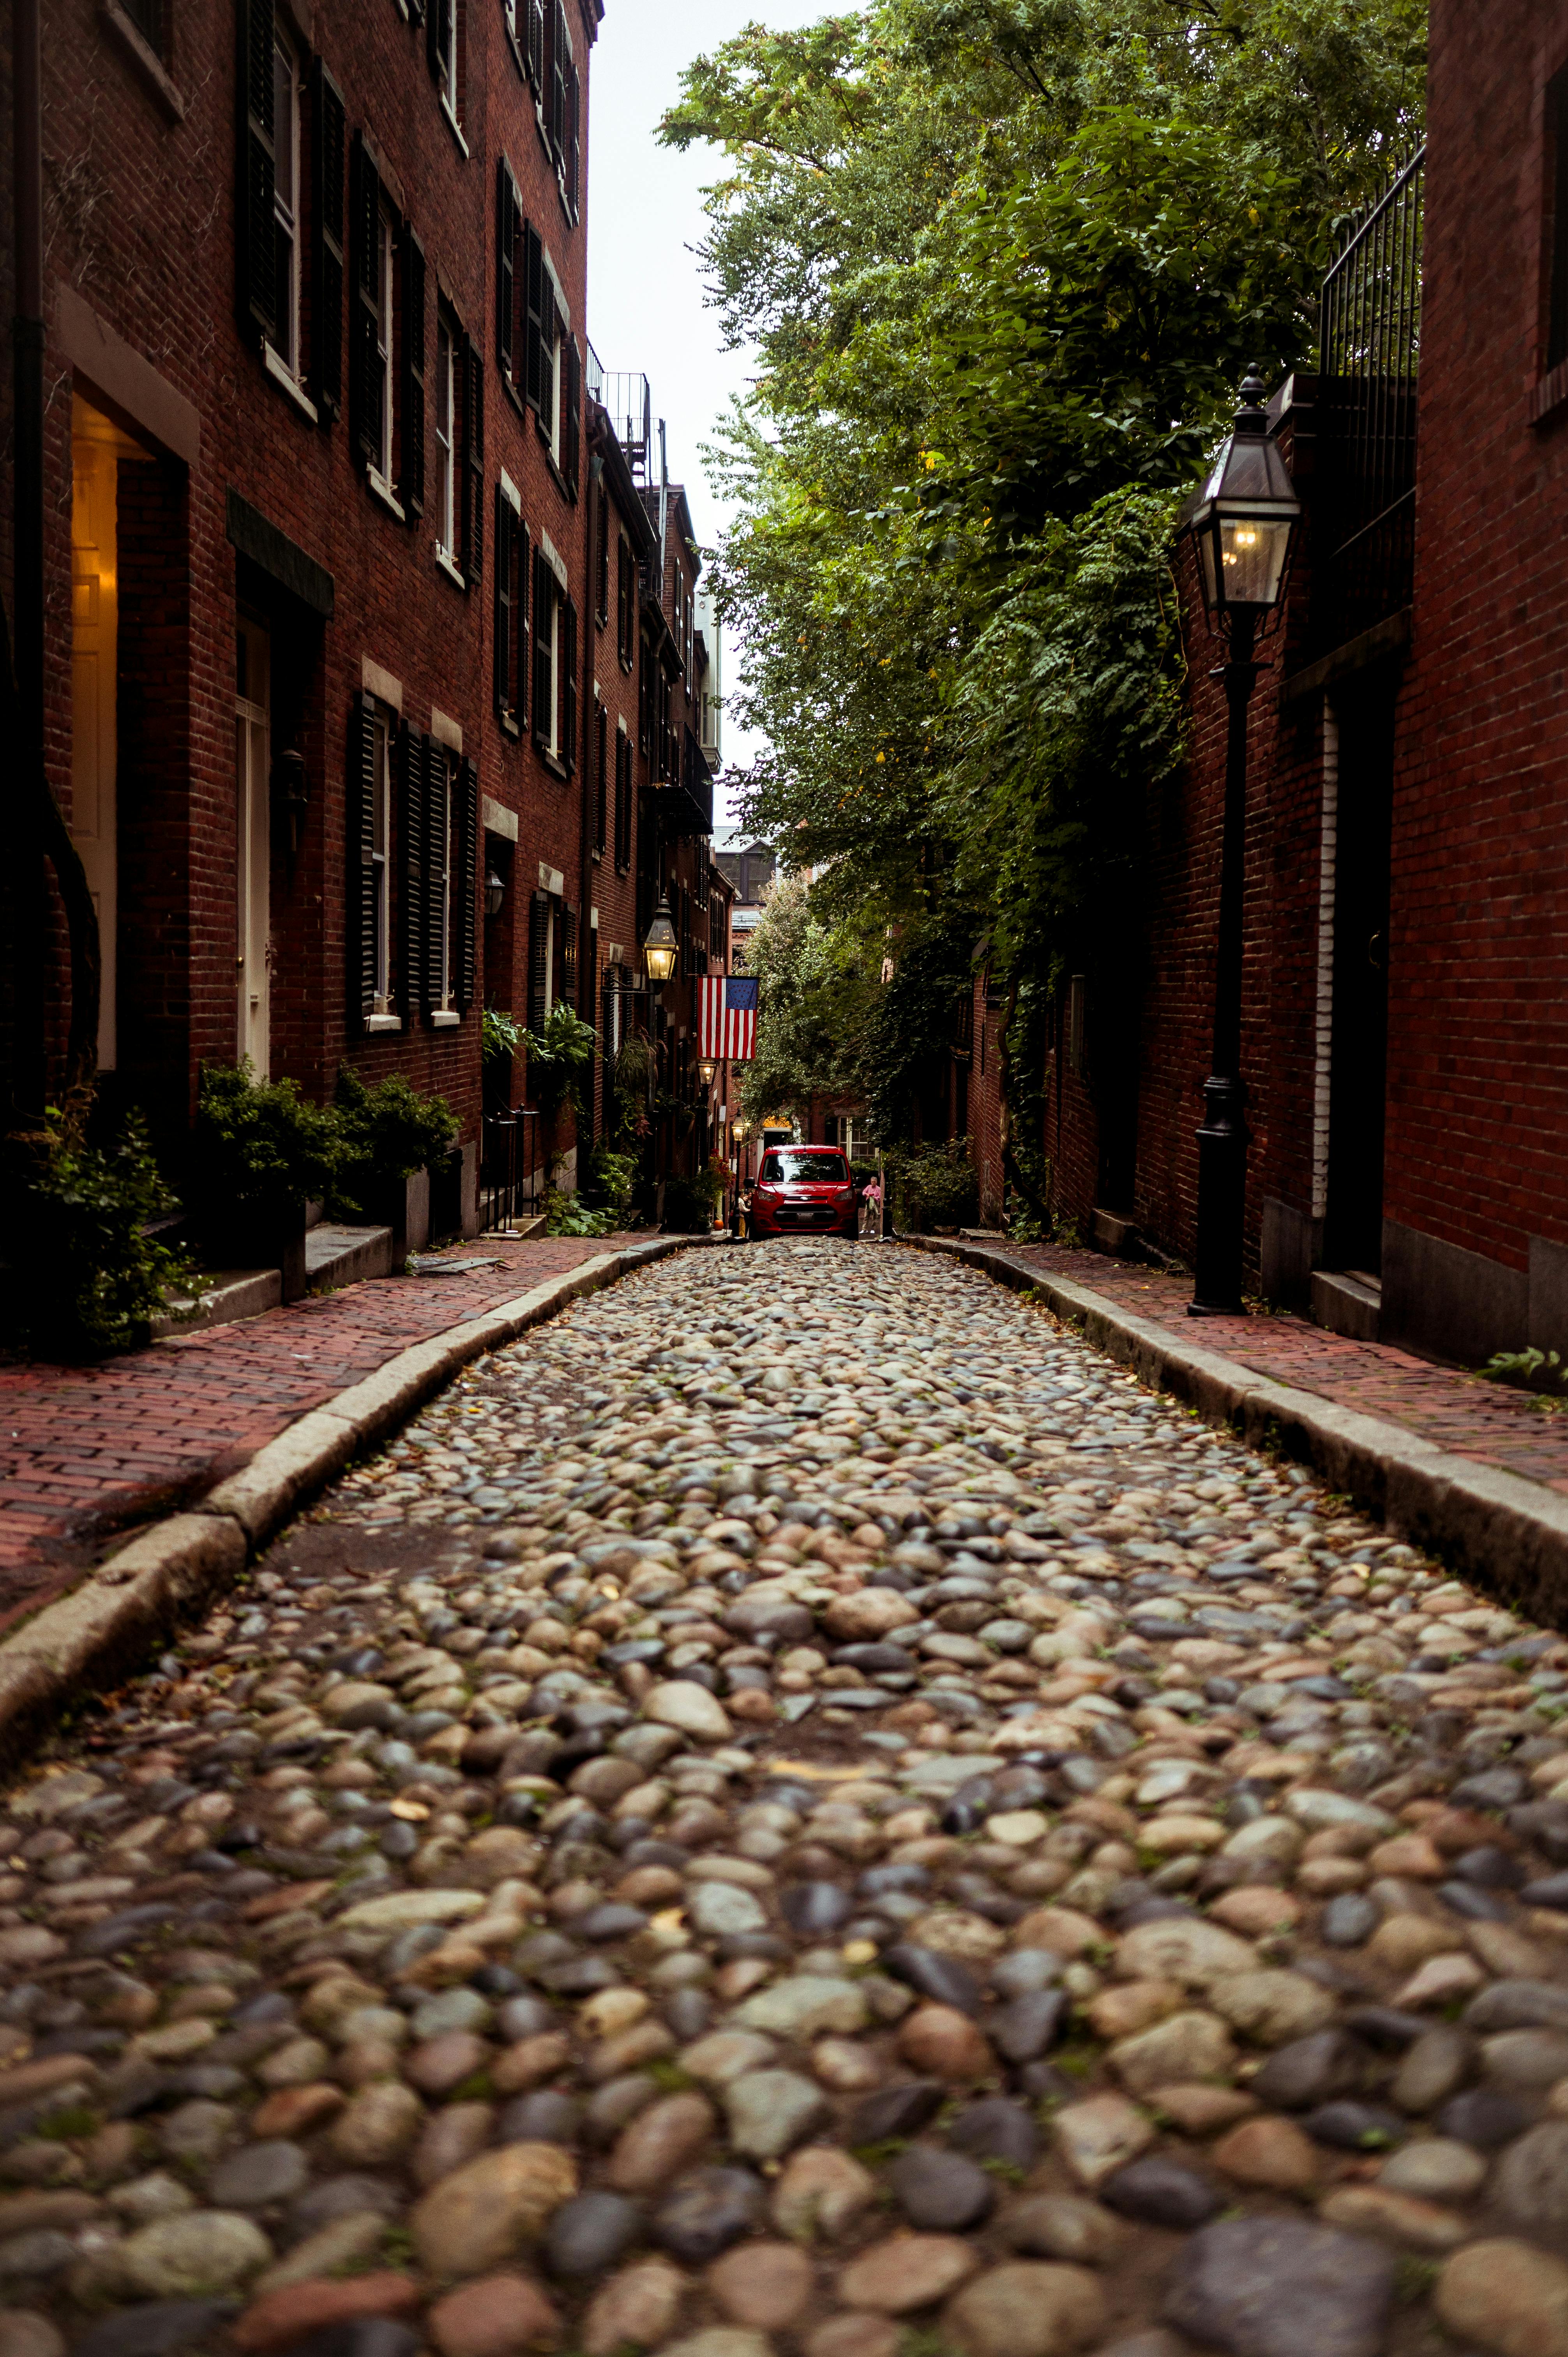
[(142, 59), (380, 488), (445, 1018), (444, 564), (452, 125), (510, 724), (383, 1023), (278, 370)]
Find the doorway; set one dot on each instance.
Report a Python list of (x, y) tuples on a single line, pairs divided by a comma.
[(94, 662), (1353, 1212), (253, 846)]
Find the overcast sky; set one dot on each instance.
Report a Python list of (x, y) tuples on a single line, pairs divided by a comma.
[(645, 307)]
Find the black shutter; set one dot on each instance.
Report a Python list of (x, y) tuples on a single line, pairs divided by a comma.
[(574, 140), (328, 136), (535, 43), (361, 783), (559, 59), (257, 241), (569, 955), (466, 843), (412, 824), (524, 644), (436, 907), (601, 784), (534, 292), (572, 417), (507, 217), (365, 390), (569, 668), (538, 959), (623, 802), (543, 699), (503, 637), (473, 463), (412, 484), (549, 332), (602, 566)]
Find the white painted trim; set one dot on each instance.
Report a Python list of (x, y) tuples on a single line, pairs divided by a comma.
[(379, 682), (510, 494), (499, 820), (383, 1023), (547, 550), (444, 564), (445, 1018), (445, 731), (277, 368)]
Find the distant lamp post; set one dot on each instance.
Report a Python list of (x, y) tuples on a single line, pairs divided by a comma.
[(706, 1067), (495, 893), (738, 1129), (660, 948), (1241, 519)]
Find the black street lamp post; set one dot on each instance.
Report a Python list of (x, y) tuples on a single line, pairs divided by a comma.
[(1241, 519)]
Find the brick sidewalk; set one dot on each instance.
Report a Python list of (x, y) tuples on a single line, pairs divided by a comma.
[(1455, 1409), (84, 1450)]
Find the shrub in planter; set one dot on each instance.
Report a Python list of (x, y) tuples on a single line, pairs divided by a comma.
[(688, 1210), (260, 1150), (83, 1276), (385, 1133)]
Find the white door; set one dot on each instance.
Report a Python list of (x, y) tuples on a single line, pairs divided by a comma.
[(93, 755), (252, 847)]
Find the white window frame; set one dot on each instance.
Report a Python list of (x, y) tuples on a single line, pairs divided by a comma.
[(381, 863), (284, 343), (447, 63), (445, 446), (386, 267), (553, 741)]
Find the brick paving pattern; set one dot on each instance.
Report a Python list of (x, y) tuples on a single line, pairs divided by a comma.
[(84, 1450), (1448, 1405)]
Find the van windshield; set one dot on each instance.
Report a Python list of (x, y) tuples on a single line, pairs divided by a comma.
[(809, 1170)]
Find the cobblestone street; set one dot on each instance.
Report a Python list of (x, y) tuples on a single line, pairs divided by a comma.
[(797, 1812)]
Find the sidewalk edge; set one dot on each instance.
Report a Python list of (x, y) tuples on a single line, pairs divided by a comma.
[(98, 1633), (1505, 1532)]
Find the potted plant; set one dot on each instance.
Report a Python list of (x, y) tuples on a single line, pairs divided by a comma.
[(560, 1057), (261, 1150), (387, 1135)]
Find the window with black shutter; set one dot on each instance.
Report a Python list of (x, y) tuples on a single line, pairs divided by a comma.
[(257, 244), (329, 150), (366, 386), (625, 604), (509, 231), (534, 45), (473, 463), (441, 44), (568, 921), (411, 481), (574, 157), (413, 765), (465, 883), (623, 802), (524, 634), (559, 65), (540, 929), (602, 566), (571, 413), (438, 863), (502, 656), (546, 654), (363, 785), (568, 663), (601, 784), (536, 296)]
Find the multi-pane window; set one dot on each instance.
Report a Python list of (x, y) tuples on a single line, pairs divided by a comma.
[(446, 427), (555, 665), (380, 869), (382, 405), (601, 784), (285, 338)]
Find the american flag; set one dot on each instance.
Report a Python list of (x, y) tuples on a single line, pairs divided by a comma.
[(728, 1030)]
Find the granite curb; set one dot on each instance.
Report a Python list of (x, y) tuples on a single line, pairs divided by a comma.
[(90, 1639), (1505, 1532)]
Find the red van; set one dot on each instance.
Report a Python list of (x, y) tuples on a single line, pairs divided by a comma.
[(804, 1190)]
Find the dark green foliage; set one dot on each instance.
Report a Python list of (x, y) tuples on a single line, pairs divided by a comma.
[(258, 1145), (688, 1210), (385, 1135), (81, 1277), (933, 1187)]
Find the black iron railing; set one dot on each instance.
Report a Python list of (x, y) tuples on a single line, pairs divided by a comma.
[(509, 1182), (1369, 366)]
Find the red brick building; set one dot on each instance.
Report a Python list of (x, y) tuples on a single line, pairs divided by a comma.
[(1405, 1050), (358, 690)]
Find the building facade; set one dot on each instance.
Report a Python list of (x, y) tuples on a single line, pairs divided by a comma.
[(370, 674)]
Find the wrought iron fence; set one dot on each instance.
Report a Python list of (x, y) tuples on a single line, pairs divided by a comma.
[(508, 1180), (1368, 369)]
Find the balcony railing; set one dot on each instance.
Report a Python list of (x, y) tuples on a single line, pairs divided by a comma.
[(1368, 366), (629, 398)]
